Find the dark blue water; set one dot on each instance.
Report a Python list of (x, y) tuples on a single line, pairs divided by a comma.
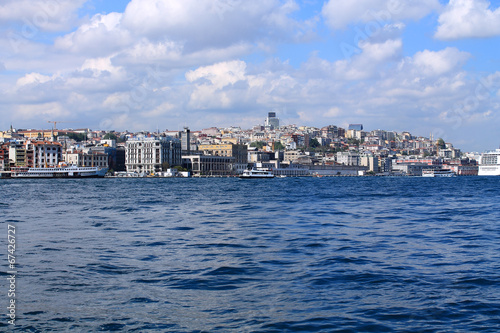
[(222, 254)]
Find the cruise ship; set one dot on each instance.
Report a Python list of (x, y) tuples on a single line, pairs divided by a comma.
[(61, 171), (489, 163)]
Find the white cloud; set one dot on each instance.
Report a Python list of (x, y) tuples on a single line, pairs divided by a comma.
[(340, 13), (99, 37), (200, 23), (30, 111), (468, 19), (432, 64), (33, 78), (36, 15), (210, 82), (370, 62), (333, 112)]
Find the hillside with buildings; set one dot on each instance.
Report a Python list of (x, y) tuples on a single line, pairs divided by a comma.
[(287, 150)]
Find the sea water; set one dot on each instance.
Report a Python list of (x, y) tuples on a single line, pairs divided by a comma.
[(340, 254)]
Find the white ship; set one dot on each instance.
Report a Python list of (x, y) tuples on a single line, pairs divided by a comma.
[(437, 173), (61, 171), (256, 173), (489, 163)]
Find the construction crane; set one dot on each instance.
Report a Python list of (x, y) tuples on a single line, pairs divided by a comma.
[(55, 123)]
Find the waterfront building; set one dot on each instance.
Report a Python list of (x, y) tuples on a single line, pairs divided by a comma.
[(87, 159), (385, 164), (462, 170), (35, 154), (148, 155), (291, 155), (120, 159), (370, 161), (348, 158), (4, 152), (237, 151), (186, 141), (45, 153), (255, 156), (209, 165)]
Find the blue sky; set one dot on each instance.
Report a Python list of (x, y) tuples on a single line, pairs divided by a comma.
[(423, 66)]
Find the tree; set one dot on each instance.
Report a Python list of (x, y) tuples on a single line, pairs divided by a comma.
[(179, 168), (165, 166), (440, 143), (314, 143), (258, 144), (110, 136), (279, 146), (77, 136)]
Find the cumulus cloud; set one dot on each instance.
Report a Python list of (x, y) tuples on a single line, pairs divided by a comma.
[(33, 78), (52, 109), (169, 64), (468, 19), (211, 81), (202, 23), (431, 63), (45, 15), (101, 36), (339, 13), (371, 61)]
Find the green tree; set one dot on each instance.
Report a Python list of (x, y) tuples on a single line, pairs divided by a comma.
[(165, 166), (279, 146), (110, 136), (179, 168), (258, 144), (441, 144), (77, 136), (314, 143)]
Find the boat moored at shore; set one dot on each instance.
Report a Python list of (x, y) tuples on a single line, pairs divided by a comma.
[(61, 171), (257, 173), (438, 173)]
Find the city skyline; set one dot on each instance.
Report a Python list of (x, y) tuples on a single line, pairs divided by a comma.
[(423, 67)]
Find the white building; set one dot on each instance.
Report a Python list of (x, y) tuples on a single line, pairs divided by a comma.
[(83, 159), (148, 155), (348, 158), (36, 154)]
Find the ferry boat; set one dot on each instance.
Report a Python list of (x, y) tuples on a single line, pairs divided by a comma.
[(437, 173), (255, 173), (489, 163), (61, 171)]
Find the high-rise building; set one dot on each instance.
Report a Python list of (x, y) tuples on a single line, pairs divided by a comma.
[(186, 141), (271, 121)]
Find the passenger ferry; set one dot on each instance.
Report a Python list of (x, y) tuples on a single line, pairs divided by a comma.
[(489, 163), (61, 171), (437, 173), (257, 173)]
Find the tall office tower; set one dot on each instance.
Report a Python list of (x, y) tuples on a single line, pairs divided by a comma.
[(271, 121), (186, 141)]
